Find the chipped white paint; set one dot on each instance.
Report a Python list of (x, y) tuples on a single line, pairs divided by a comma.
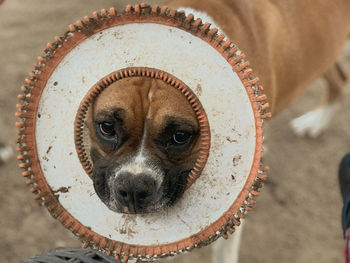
[(194, 62)]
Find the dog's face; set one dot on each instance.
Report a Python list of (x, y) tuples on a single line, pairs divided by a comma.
[(144, 139)]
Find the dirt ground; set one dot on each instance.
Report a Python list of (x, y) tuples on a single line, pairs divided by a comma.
[(297, 217)]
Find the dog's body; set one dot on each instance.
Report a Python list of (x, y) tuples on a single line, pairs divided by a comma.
[(289, 44)]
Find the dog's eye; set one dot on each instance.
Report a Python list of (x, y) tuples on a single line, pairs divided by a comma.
[(107, 129), (181, 137)]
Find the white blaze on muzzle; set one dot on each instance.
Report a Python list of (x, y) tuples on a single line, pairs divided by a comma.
[(141, 164), (142, 161)]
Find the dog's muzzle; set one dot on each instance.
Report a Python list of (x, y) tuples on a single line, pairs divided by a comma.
[(134, 192)]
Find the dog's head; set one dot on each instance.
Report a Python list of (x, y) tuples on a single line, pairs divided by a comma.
[(144, 139)]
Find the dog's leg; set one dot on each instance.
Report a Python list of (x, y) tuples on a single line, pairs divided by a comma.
[(313, 123), (6, 153), (227, 251)]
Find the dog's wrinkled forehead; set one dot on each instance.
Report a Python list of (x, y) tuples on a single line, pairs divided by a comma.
[(141, 99)]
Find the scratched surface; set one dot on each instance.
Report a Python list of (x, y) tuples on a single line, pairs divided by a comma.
[(296, 218), (152, 46)]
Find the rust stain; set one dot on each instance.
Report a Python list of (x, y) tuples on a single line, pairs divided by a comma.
[(127, 224), (101, 35), (62, 190), (117, 35), (230, 140), (199, 89), (236, 159), (48, 149), (91, 27), (234, 130)]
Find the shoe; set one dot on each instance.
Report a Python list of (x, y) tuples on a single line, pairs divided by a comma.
[(344, 183)]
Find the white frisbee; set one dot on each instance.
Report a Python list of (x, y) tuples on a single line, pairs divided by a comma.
[(157, 43)]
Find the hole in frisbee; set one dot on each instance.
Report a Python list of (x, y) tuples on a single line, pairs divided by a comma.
[(103, 127)]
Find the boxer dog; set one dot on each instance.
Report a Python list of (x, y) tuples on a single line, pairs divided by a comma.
[(142, 149)]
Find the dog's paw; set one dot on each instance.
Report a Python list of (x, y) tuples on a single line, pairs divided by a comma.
[(313, 123), (6, 152)]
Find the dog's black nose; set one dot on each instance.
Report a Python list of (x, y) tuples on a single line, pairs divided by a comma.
[(135, 191)]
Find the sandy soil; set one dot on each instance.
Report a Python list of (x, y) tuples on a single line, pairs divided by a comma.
[(297, 217)]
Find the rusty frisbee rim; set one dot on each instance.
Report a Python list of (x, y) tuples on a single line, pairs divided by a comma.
[(111, 78), (27, 113)]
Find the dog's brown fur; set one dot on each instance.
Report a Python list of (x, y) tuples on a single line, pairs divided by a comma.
[(289, 43), (139, 96)]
